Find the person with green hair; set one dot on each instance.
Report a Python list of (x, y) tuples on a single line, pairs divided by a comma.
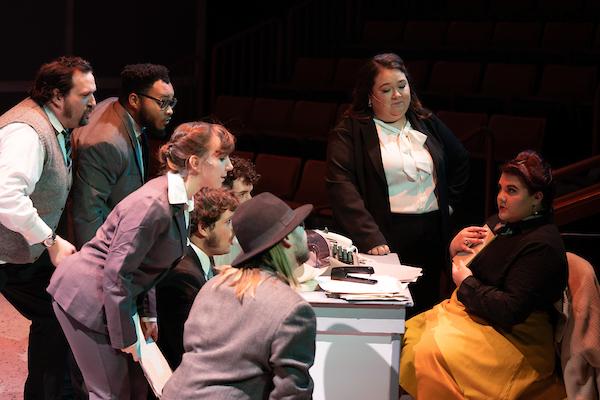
[(249, 335)]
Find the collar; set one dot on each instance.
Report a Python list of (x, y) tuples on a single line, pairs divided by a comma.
[(137, 129), (408, 130), (202, 256), (53, 120), (176, 191), (529, 223)]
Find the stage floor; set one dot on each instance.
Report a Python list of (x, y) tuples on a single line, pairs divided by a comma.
[(14, 330)]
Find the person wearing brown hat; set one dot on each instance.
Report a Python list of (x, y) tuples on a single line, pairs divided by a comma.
[(249, 334)]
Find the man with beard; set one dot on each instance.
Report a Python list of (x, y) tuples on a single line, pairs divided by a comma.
[(111, 156), (249, 334), (35, 178), (211, 235)]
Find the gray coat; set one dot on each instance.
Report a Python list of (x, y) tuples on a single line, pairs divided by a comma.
[(102, 285), (260, 348), (107, 167)]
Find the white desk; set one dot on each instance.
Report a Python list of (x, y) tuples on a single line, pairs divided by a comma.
[(358, 348)]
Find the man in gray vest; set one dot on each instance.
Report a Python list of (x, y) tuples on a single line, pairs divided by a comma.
[(111, 152), (35, 178)]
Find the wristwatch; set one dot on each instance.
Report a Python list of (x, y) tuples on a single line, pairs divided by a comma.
[(50, 240)]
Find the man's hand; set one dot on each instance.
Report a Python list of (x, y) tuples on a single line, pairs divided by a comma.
[(60, 250)]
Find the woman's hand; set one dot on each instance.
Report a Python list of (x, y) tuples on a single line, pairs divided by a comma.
[(467, 238), (150, 329), (379, 250), (460, 273), (133, 350)]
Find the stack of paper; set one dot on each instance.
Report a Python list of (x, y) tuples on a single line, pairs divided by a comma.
[(390, 265), (386, 288)]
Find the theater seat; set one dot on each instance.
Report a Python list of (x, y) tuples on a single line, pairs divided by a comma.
[(311, 188), (577, 333), (279, 175)]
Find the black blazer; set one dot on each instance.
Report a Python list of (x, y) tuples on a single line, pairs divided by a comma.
[(356, 181), (175, 295)]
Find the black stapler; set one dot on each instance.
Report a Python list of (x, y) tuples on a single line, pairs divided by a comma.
[(341, 274)]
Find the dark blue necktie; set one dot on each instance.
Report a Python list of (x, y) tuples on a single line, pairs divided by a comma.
[(67, 136)]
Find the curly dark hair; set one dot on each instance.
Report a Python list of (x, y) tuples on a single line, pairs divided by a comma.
[(242, 168), (209, 205), (535, 172), (138, 78), (57, 74), (365, 80)]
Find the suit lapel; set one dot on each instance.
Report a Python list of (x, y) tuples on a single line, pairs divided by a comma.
[(371, 141), (180, 222), (198, 264), (126, 121)]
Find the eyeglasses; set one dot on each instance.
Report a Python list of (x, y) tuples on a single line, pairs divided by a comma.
[(164, 103)]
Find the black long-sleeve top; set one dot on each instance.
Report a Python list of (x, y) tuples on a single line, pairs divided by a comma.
[(524, 269)]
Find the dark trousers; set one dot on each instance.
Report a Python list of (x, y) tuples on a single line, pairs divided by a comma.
[(417, 238), (24, 286)]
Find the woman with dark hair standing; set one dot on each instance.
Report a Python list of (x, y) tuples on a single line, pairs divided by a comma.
[(99, 291), (494, 339), (394, 172)]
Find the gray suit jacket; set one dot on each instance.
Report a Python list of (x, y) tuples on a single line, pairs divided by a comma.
[(259, 348), (107, 167), (101, 285)]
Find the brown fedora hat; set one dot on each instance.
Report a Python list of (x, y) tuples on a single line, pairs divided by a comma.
[(261, 222)]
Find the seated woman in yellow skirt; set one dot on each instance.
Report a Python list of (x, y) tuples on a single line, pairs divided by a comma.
[(494, 338)]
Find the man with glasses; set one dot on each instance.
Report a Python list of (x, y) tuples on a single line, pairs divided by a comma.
[(111, 152)]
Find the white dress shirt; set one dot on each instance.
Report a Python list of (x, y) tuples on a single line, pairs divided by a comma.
[(178, 195), (21, 164), (204, 261), (408, 167)]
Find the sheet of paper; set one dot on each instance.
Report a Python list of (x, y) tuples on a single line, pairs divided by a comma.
[(385, 284), (390, 265), (153, 362)]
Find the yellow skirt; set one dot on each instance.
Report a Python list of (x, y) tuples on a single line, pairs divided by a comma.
[(448, 354)]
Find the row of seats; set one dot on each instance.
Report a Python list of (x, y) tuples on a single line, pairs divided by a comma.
[(260, 122), (523, 9), (293, 180), (452, 77), (248, 115), (508, 134), (486, 34)]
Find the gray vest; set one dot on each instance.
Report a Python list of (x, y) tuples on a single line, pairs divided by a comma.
[(50, 193)]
